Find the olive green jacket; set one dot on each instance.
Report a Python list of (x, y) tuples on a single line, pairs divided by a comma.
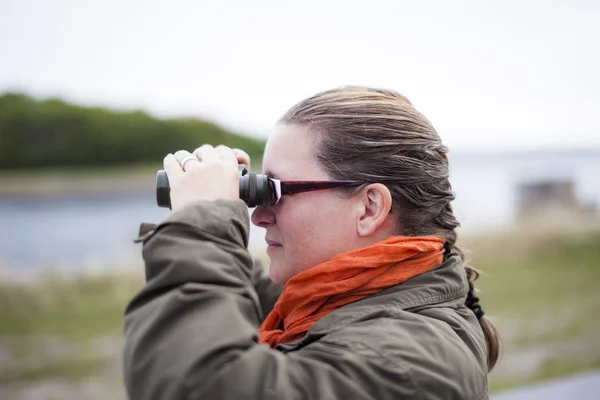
[(192, 332)]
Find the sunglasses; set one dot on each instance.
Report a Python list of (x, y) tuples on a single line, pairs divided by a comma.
[(258, 189), (279, 188)]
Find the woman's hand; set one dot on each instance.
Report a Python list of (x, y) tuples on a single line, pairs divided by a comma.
[(242, 157), (208, 174)]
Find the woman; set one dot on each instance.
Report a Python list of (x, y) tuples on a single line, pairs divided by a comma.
[(368, 296)]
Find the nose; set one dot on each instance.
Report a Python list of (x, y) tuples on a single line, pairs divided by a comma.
[(263, 217)]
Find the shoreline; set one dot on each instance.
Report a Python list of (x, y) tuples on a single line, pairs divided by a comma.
[(479, 245), (127, 179), (84, 181)]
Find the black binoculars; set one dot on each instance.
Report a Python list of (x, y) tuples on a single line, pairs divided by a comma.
[(255, 189)]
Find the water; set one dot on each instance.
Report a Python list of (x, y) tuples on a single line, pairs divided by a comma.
[(68, 232), (74, 232)]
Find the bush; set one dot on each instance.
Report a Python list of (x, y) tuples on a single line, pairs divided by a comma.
[(52, 133)]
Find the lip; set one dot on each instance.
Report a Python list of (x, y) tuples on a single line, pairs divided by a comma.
[(272, 248), (272, 243)]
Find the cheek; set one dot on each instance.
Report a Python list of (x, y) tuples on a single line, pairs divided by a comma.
[(315, 228), (305, 215), (298, 227)]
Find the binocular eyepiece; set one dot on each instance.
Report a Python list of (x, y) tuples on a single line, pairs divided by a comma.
[(255, 189)]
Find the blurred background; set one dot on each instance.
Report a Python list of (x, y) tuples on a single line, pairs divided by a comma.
[(94, 94)]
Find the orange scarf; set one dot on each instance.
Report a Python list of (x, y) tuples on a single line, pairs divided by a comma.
[(346, 278)]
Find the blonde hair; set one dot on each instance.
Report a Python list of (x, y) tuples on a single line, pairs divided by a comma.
[(377, 135)]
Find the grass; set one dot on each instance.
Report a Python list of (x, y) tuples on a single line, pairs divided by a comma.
[(63, 333), (78, 307), (68, 368), (550, 291), (541, 291)]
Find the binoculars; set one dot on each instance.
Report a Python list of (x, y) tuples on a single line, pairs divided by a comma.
[(255, 189)]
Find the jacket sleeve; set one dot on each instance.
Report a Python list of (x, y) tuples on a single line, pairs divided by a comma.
[(267, 290), (192, 331)]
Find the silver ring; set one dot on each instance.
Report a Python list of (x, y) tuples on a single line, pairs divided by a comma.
[(186, 159)]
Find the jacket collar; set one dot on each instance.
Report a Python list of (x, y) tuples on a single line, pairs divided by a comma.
[(446, 284)]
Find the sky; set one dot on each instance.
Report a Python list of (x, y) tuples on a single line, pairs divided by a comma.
[(491, 76)]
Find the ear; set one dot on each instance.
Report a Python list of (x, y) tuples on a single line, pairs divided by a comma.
[(375, 202)]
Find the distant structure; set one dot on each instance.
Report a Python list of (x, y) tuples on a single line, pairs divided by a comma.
[(550, 199)]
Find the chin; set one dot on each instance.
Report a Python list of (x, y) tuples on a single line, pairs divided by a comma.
[(276, 275)]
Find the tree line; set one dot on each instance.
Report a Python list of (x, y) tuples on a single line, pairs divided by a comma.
[(53, 133)]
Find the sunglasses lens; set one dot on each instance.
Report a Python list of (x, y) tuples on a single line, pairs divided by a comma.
[(272, 198)]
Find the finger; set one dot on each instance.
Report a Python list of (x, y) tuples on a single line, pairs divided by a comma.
[(242, 157), (172, 167), (186, 159), (206, 152), (227, 154), (200, 149)]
